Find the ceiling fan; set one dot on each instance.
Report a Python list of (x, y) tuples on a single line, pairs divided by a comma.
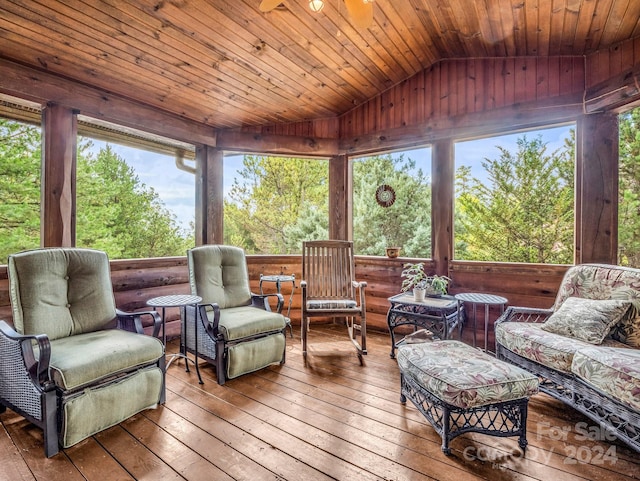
[(360, 11)]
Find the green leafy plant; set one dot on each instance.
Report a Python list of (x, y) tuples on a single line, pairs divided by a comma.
[(438, 284), (415, 277)]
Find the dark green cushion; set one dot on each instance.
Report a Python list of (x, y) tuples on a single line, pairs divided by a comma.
[(61, 292), (87, 358)]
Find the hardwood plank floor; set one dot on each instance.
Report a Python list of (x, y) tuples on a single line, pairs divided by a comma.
[(327, 419)]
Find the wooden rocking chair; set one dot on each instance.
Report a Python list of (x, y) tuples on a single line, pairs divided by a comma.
[(329, 290)]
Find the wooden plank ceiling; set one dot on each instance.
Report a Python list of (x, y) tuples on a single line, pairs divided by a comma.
[(228, 65)]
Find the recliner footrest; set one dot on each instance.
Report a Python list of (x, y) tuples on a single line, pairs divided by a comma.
[(249, 356)]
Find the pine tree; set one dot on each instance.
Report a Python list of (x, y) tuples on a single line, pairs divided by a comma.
[(523, 212)]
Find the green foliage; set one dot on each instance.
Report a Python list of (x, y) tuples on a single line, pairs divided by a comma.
[(406, 223), (415, 277), (275, 203), (20, 187), (629, 189), (312, 224), (523, 212), (115, 212), (119, 214)]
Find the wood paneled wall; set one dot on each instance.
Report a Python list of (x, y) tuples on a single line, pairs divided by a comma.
[(613, 77), (452, 88), (137, 280), (432, 105), (609, 63), (437, 101), (320, 128)]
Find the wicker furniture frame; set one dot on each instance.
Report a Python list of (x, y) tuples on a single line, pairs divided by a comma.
[(617, 418), (430, 314), (502, 419), (204, 340)]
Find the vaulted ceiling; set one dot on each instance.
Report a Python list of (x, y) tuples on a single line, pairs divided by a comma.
[(227, 64)]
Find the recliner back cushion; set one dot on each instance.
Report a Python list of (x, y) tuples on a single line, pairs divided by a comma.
[(219, 274), (61, 292)]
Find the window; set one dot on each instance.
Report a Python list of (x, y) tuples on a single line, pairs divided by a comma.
[(273, 203), (135, 197), (20, 158), (629, 189), (20, 186), (406, 222), (515, 197)]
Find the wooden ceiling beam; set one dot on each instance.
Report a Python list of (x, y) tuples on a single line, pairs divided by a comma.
[(618, 91), (42, 87), (300, 146), (471, 125)]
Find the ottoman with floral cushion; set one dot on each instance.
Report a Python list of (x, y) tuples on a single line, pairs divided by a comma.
[(460, 389), (586, 347)]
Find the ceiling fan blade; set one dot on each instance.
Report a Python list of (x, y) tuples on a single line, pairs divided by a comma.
[(361, 13), (268, 5)]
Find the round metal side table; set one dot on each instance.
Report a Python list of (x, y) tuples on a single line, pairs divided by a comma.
[(278, 279), (475, 298), (181, 301)]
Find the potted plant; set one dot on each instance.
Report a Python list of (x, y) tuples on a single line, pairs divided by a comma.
[(422, 284), (437, 285), (392, 252)]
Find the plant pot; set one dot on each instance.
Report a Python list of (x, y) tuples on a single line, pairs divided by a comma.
[(393, 252), (418, 294), (431, 292)]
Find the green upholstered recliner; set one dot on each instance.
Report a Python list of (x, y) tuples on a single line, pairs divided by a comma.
[(232, 328), (74, 365)]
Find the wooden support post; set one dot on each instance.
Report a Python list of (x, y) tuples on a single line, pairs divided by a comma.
[(597, 189), (209, 196), (340, 198), (58, 191), (442, 193)]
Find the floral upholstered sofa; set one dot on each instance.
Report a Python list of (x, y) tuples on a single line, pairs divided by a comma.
[(586, 348)]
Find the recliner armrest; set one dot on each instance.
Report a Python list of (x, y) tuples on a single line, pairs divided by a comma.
[(210, 327), (262, 301), (35, 362), (132, 321)]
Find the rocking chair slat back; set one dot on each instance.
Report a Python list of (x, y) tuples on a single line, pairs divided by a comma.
[(328, 268)]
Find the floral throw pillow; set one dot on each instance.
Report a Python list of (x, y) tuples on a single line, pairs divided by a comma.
[(588, 320), (628, 329)]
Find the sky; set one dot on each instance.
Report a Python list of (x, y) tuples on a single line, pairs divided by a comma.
[(176, 187)]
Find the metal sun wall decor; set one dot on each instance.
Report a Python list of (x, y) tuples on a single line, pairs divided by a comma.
[(385, 195)]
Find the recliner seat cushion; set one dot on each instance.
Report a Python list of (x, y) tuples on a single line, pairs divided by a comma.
[(240, 322), (87, 358), (614, 371), (530, 341)]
